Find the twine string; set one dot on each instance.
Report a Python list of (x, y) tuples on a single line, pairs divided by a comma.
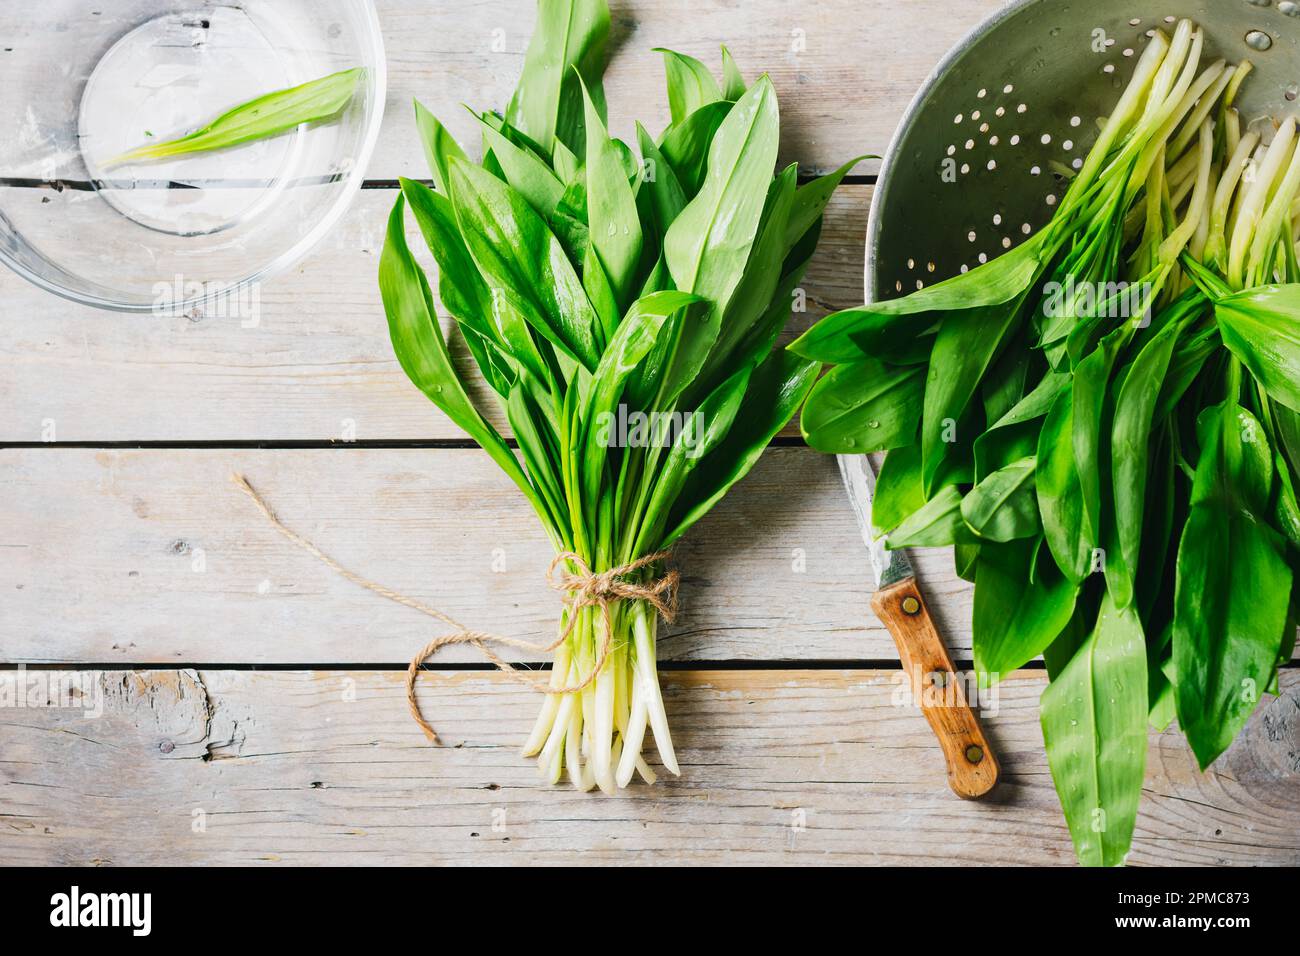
[(581, 586)]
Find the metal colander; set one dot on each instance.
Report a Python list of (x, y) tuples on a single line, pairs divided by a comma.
[(970, 172)]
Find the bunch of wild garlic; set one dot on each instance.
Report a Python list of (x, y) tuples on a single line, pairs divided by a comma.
[(595, 289)]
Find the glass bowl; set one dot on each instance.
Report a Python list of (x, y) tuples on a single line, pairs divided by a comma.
[(84, 81)]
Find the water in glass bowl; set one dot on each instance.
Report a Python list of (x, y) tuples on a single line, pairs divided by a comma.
[(90, 81)]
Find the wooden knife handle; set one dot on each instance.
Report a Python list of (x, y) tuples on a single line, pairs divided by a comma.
[(972, 767)]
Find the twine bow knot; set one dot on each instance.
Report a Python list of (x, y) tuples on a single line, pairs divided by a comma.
[(589, 589)]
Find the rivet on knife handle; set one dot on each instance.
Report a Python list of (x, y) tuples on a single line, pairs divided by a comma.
[(972, 767)]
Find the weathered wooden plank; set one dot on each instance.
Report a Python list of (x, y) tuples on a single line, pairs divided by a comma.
[(843, 72), (778, 767), (153, 556), (317, 365)]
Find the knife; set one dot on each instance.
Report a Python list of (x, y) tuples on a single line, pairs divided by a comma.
[(972, 767)]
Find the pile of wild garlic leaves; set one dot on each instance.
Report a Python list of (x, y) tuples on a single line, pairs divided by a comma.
[(590, 287), (1120, 484)]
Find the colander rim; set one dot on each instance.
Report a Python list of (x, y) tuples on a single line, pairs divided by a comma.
[(910, 115)]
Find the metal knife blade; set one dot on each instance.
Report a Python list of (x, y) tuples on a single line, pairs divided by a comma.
[(860, 482)]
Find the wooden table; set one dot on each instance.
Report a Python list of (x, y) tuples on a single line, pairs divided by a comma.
[(252, 700)]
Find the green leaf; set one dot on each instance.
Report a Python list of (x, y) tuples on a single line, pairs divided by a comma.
[(1060, 499), (537, 445), (1165, 513), (776, 390), (1234, 585), (569, 220), (733, 83), (756, 292), (523, 263), (644, 386), (1089, 434), (567, 166), (460, 287), (759, 340), (527, 174), (1015, 434), (422, 352), (1162, 711), (811, 199), (690, 84), (1003, 386), (1058, 654), (964, 348), (854, 334), (1003, 507), (1287, 512), (496, 336), (566, 51), (1189, 358), (667, 198), (704, 430), (864, 407), (611, 211), (635, 337), (516, 136), (1261, 327), (1130, 450), (686, 144), (440, 148), (1287, 423), (709, 243), (497, 370), (1094, 716), (600, 291), (267, 116), (1016, 618), (965, 559), (898, 489), (937, 524)]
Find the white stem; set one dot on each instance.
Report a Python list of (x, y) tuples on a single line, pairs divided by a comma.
[(542, 728), (616, 752), (1197, 246), (1279, 152), (550, 704), (645, 662), (1182, 96), (644, 770), (1173, 246), (1273, 222), (588, 774), (634, 733), (573, 749), (1228, 188), (602, 737), (551, 760), (1124, 116), (1175, 64), (1206, 96)]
